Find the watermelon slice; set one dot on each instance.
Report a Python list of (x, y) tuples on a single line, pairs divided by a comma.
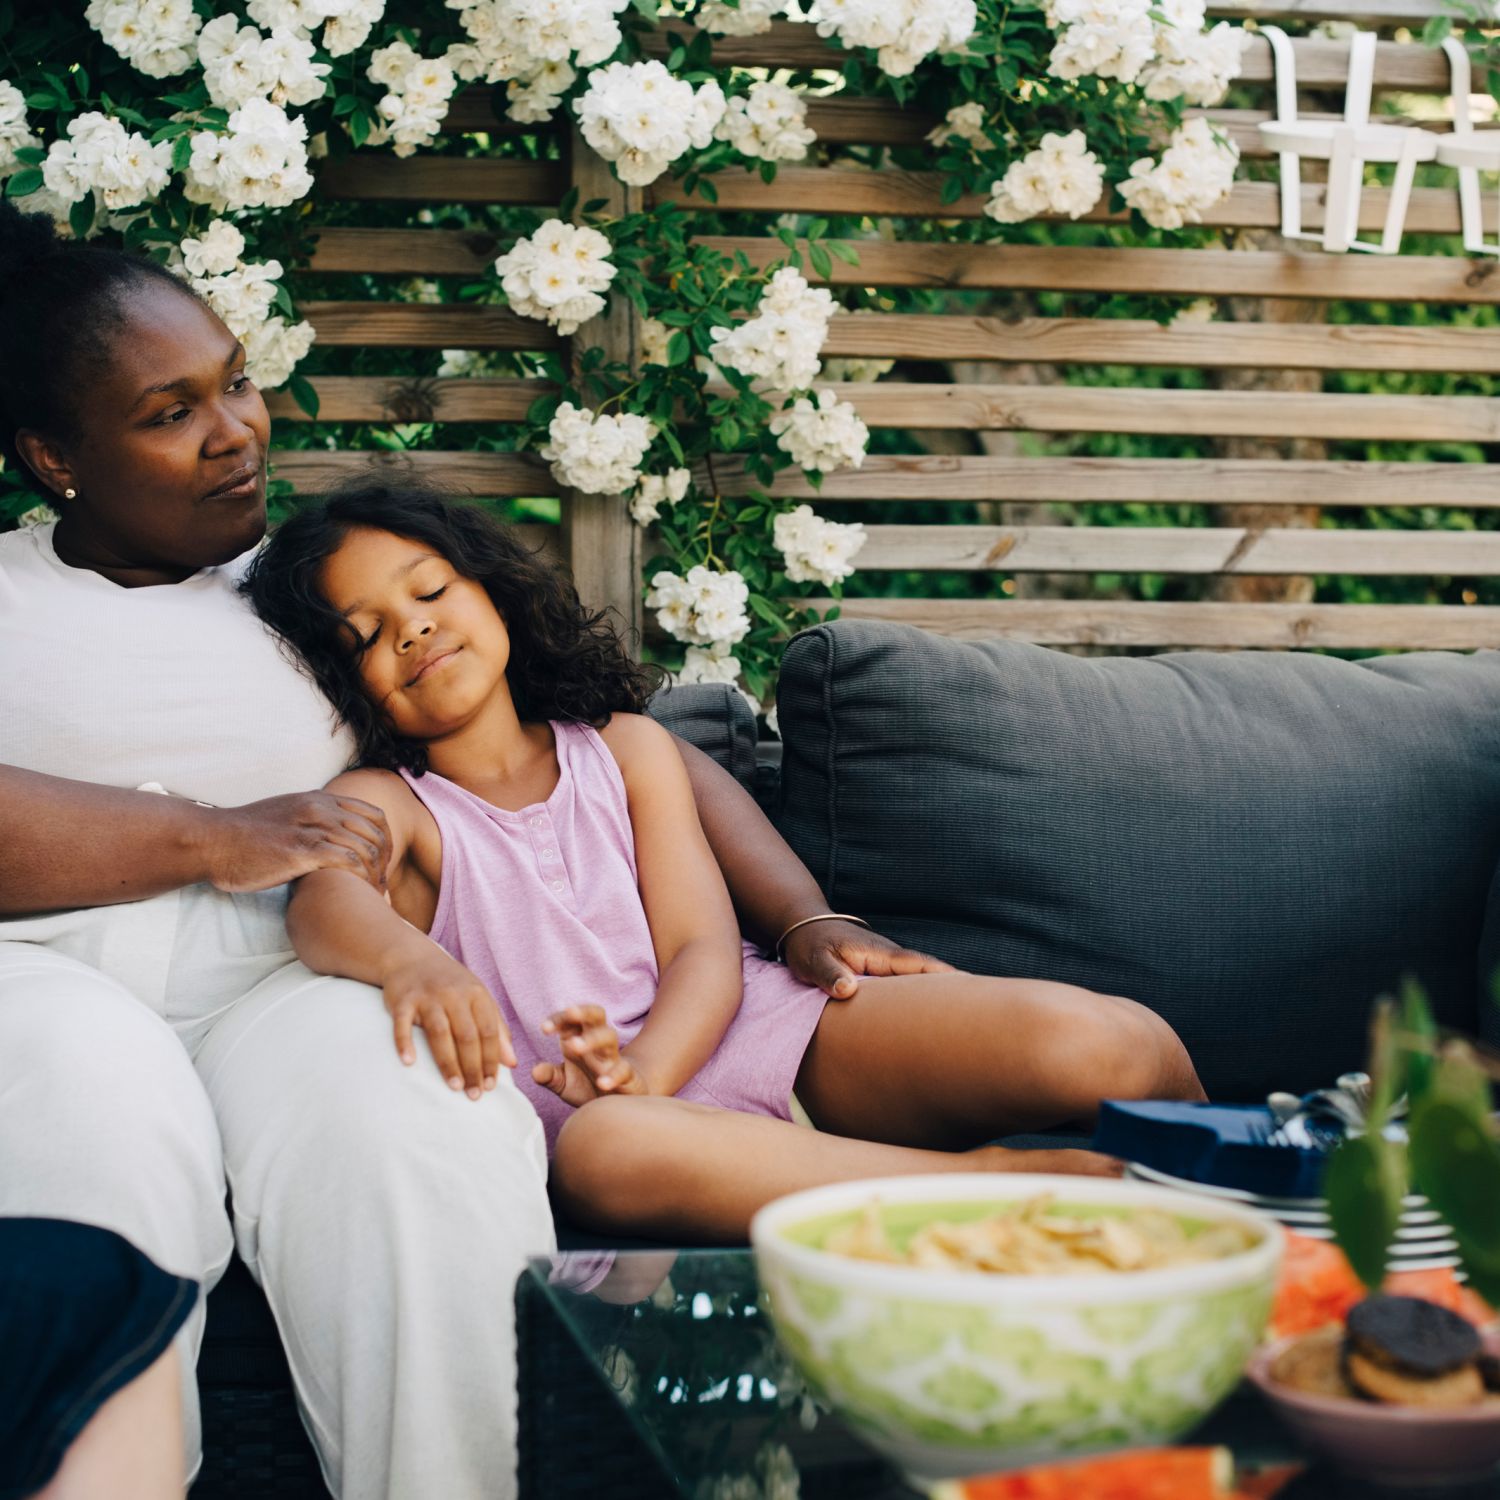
[(1146, 1474)]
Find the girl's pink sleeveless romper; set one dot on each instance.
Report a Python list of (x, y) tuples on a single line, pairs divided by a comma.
[(543, 905)]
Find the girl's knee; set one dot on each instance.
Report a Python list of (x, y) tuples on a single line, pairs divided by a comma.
[(602, 1160), (1147, 1057)]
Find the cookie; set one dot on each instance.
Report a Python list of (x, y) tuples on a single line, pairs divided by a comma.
[(1411, 1337)]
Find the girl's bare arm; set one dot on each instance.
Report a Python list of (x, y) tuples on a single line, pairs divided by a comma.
[(341, 926), (693, 926)]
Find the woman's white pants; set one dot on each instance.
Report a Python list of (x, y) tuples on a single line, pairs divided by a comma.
[(386, 1216)]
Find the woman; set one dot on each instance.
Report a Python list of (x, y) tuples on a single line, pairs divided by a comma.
[(158, 1044)]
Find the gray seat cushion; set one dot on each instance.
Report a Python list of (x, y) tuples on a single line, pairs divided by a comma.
[(1254, 845)]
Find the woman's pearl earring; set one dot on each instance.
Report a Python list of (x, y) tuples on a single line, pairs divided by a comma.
[(70, 494)]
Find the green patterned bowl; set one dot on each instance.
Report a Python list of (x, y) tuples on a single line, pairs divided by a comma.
[(953, 1373)]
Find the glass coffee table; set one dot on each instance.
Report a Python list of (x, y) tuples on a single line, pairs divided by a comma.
[(686, 1393)]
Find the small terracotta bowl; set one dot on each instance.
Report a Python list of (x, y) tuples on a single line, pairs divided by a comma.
[(1397, 1445)]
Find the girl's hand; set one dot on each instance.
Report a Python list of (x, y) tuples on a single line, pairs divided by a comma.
[(592, 1061), (268, 843), (469, 1041), (832, 956)]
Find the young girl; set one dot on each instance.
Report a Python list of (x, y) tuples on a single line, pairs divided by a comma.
[(547, 859)]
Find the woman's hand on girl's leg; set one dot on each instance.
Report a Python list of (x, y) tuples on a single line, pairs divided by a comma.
[(832, 955), (592, 1063)]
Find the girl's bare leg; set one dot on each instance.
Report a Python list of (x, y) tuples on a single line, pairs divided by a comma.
[(132, 1446), (667, 1168), (952, 1060)]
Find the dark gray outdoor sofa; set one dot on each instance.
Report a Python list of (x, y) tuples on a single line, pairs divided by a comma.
[(1256, 845)]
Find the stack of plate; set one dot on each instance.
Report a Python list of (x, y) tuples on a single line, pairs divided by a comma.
[(1423, 1241)]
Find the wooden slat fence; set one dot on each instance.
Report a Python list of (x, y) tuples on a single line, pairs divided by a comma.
[(1011, 337)]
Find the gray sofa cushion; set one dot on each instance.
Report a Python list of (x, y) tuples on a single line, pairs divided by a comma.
[(715, 718), (1254, 845)]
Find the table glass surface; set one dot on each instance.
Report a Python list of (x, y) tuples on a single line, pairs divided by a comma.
[(696, 1367)]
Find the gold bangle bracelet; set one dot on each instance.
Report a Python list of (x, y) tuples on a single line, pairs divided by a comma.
[(824, 916)]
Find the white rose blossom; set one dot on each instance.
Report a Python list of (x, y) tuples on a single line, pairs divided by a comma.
[(769, 124), (814, 550), (239, 64), (15, 134), (597, 453), (416, 102), (964, 122), (641, 118), (904, 32), (821, 435), (1062, 176), (100, 156), (156, 37), (1192, 64), (656, 490), (703, 609), (260, 161), (778, 347), (655, 336), (1195, 172), (242, 293), (217, 250), (748, 18), (1101, 38), (558, 274)]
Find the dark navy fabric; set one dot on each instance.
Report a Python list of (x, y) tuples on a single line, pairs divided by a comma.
[(1256, 845), (82, 1313)]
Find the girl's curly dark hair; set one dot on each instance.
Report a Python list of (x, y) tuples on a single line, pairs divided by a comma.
[(566, 660)]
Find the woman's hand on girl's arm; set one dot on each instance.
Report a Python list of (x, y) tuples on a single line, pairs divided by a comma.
[(340, 924), (693, 927), (71, 843), (592, 1063), (772, 889)]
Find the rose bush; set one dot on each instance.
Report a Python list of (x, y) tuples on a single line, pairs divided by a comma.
[(192, 132)]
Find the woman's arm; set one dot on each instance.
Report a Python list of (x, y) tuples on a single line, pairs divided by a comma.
[(342, 925), (70, 843), (772, 889), (693, 928)]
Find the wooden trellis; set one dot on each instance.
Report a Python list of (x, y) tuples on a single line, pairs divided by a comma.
[(602, 543)]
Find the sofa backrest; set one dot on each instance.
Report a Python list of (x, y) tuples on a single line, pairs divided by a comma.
[(1254, 845)]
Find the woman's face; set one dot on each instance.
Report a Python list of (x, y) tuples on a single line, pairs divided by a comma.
[(168, 453), (433, 648)]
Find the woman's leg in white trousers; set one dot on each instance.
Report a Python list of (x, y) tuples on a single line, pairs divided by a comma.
[(388, 1219), (103, 1121)]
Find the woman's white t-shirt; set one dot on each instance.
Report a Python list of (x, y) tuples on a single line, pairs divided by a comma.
[(178, 685)]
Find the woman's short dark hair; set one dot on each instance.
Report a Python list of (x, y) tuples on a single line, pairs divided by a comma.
[(61, 304), (566, 660)]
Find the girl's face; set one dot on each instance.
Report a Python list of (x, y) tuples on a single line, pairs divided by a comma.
[(433, 646)]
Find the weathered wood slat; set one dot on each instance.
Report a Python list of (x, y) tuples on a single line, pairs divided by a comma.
[(1125, 341), (402, 398), (404, 252), (921, 336), (1143, 549), (1218, 481), (426, 325), (1037, 408), (489, 474), (1070, 622), (1073, 408), (1192, 273), (1320, 63), (1370, 13), (898, 193), (441, 179)]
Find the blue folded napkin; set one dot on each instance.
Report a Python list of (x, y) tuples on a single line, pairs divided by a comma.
[(1221, 1145)]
